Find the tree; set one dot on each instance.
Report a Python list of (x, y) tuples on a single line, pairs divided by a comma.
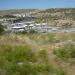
[(1, 28)]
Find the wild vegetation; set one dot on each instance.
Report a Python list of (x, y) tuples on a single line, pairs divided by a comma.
[(66, 53), (1, 28), (34, 54), (22, 60)]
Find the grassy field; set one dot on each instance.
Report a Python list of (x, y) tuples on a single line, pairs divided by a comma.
[(37, 54)]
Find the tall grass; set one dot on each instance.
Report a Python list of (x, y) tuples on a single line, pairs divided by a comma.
[(66, 52), (42, 38), (60, 71), (22, 60), (18, 55), (43, 56)]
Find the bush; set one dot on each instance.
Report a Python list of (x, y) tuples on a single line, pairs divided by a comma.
[(60, 72), (32, 31), (43, 55), (44, 68), (19, 54), (21, 60), (65, 53), (1, 28)]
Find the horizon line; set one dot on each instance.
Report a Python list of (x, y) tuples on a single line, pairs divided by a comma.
[(39, 8)]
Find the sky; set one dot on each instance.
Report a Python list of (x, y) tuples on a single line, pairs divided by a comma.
[(40, 4)]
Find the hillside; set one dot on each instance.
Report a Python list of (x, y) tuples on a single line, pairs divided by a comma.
[(62, 17), (39, 53), (17, 11)]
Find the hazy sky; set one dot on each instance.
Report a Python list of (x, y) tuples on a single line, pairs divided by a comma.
[(13, 4)]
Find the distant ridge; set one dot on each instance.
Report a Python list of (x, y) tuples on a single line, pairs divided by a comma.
[(17, 11), (20, 11)]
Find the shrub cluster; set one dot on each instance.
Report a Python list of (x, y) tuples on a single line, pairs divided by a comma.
[(22, 60), (66, 52)]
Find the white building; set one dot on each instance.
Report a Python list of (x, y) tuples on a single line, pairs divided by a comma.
[(27, 26)]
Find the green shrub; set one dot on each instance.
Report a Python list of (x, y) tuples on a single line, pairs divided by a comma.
[(60, 72), (44, 69), (21, 60), (19, 54), (1, 28), (43, 55), (61, 53), (26, 69), (65, 53), (32, 31)]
